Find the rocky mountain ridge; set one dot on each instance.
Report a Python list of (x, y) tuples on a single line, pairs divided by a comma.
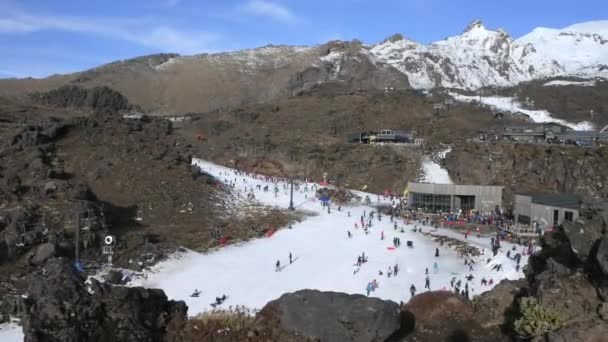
[(478, 57)]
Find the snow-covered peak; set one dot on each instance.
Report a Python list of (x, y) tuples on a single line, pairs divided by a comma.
[(595, 27), (481, 57), (475, 25)]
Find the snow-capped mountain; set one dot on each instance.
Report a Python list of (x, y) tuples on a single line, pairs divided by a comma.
[(480, 57)]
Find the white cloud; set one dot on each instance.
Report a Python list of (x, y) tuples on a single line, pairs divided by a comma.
[(140, 32), (270, 9)]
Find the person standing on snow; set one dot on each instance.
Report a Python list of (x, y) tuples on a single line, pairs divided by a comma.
[(368, 288), (436, 252), (427, 283), (426, 271), (278, 266), (413, 290), (290, 258), (349, 234), (435, 267), (382, 235)]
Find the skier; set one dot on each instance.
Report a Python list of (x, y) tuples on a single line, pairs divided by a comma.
[(427, 283), (278, 266), (290, 258), (435, 267), (413, 290), (436, 252)]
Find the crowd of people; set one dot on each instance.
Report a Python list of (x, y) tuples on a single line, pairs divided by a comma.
[(395, 208)]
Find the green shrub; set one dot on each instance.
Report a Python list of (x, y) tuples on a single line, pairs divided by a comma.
[(534, 320)]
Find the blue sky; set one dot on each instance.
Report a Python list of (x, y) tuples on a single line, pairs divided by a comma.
[(43, 37)]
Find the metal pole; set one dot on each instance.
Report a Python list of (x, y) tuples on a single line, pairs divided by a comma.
[(291, 197), (78, 233)]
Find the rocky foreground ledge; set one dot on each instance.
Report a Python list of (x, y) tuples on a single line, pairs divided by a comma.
[(563, 298)]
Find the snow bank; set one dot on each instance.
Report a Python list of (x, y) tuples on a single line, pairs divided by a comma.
[(11, 332), (510, 104), (324, 257), (433, 172), (566, 83)]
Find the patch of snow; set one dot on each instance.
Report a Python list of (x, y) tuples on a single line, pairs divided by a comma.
[(164, 66), (324, 256), (510, 104), (332, 57), (566, 83), (433, 172), (11, 332)]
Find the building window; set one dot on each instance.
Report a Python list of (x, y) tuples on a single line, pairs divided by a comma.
[(523, 219), (555, 217), (568, 216)]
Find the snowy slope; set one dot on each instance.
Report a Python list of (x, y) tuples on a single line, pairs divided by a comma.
[(480, 57), (324, 257), (11, 332), (433, 172), (511, 105)]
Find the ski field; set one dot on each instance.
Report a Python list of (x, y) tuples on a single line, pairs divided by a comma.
[(324, 256)]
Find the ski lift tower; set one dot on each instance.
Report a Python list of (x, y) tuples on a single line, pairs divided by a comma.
[(108, 248), (437, 107), (448, 103)]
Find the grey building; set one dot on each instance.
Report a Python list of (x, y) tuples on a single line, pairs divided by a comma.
[(542, 211), (452, 197), (553, 132)]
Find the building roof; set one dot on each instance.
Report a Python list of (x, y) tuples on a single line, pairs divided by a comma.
[(568, 201)]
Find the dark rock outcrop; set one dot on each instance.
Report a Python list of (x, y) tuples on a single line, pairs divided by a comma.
[(100, 99), (444, 316), (587, 331), (332, 316), (60, 307), (490, 308)]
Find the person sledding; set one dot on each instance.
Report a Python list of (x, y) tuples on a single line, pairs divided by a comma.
[(219, 301), (196, 293)]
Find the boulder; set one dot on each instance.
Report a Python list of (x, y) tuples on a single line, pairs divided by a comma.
[(444, 316), (492, 308), (332, 316), (584, 233), (569, 296), (581, 331), (59, 306), (44, 252), (602, 255)]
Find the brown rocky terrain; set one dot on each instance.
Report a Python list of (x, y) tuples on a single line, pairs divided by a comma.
[(531, 168), (567, 102), (169, 83), (566, 281), (131, 179)]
